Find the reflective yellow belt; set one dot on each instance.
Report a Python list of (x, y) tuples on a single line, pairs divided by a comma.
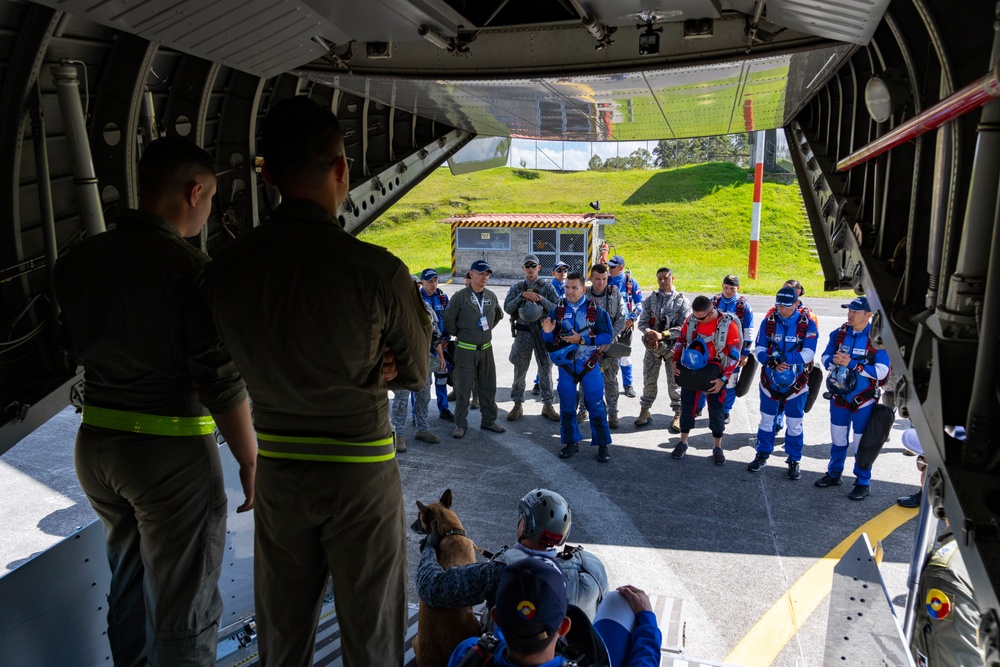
[(471, 346), (140, 422), (304, 448)]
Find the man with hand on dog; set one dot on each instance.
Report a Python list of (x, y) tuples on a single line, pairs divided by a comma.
[(543, 525), (538, 627)]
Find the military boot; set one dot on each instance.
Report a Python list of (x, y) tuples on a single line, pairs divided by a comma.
[(515, 412), (675, 424), (644, 417), (549, 412)]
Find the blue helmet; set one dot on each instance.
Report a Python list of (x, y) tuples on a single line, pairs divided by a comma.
[(841, 380), (783, 380), (694, 356), (564, 355)]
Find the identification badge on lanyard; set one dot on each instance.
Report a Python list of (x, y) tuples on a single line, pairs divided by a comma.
[(484, 322)]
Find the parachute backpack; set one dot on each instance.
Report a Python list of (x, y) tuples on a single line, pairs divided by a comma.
[(698, 372)]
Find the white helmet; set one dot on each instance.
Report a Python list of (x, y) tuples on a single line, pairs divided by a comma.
[(546, 517)]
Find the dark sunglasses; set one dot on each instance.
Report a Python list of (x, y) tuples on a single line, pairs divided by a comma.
[(705, 316), (530, 265), (562, 270)]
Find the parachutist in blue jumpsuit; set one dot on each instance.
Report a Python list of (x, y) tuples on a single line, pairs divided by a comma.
[(850, 347), (579, 322), (786, 346)]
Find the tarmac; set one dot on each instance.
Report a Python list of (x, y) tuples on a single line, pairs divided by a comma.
[(720, 548)]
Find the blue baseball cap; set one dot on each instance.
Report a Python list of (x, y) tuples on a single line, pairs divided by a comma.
[(560, 265), (531, 598), (617, 260), (481, 265), (786, 297), (860, 303), (428, 274)]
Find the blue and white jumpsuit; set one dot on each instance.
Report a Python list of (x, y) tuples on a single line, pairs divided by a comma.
[(633, 304), (785, 342), (575, 319), (844, 415)]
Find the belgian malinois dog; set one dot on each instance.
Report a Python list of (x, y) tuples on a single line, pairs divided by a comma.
[(440, 630)]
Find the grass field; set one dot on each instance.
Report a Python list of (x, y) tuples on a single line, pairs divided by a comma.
[(695, 219)]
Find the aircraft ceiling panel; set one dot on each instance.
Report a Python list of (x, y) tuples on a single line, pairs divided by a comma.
[(851, 21), (262, 37), (753, 93)]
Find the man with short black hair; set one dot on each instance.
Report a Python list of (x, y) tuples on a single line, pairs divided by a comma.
[(663, 313), (720, 340), (729, 300), (134, 315), (527, 302), (320, 343), (472, 315)]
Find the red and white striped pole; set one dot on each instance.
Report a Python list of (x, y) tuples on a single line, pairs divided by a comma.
[(758, 179)]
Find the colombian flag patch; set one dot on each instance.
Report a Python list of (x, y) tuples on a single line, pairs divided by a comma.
[(938, 604)]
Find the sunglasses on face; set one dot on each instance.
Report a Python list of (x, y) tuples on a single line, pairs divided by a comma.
[(561, 270), (703, 317), (530, 265)]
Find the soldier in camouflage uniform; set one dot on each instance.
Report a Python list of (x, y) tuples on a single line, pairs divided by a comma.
[(663, 313), (610, 299), (528, 337)]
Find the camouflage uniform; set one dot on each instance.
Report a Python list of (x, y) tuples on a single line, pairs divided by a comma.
[(528, 338), (661, 312), (612, 301)]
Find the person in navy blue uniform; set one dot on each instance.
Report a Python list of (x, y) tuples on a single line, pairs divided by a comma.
[(438, 301), (729, 300), (533, 622), (850, 347), (559, 273), (632, 293), (785, 348), (582, 328)]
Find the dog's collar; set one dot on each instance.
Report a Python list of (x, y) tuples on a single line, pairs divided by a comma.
[(454, 531)]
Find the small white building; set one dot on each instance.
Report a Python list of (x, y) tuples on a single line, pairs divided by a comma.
[(503, 239)]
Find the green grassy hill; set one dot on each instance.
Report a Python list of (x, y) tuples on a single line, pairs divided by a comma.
[(695, 220)]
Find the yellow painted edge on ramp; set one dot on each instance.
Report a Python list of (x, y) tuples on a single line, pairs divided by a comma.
[(761, 646)]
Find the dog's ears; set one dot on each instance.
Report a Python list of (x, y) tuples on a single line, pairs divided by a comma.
[(446, 499), (420, 506)]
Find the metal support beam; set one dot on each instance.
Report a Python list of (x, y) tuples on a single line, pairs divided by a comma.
[(373, 196)]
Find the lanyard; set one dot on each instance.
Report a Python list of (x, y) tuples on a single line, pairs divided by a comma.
[(480, 303)]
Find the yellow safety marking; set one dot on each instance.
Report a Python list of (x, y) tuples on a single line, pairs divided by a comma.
[(761, 646)]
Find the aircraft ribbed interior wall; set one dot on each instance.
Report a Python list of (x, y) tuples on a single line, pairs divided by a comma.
[(904, 229), (218, 107)]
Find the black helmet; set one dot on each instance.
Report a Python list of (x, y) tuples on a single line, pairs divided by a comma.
[(546, 517)]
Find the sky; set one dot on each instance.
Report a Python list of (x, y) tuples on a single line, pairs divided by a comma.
[(568, 155)]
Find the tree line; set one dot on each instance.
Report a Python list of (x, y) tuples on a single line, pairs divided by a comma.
[(669, 153)]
